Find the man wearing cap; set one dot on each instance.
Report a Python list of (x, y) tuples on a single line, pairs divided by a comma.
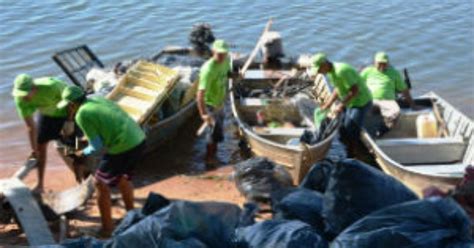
[(107, 128), (349, 88), (384, 82), (211, 95), (42, 95)]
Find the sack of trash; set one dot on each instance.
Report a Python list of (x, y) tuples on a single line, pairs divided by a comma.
[(356, 189), (301, 204), (81, 242), (257, 178), (325, 129), (198, 224), (153, 203), (433, 223), (278, 234), (318, 176)]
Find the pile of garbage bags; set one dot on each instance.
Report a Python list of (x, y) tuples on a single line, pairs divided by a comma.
[(339, 204)]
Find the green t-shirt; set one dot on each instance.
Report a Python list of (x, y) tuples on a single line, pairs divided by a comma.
[(117, 130), (48, 95), (343, 77), (213, 79), (383, 85)]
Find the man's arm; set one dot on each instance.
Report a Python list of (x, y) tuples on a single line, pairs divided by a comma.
[(330, 101), (202, 106), (31, 129)]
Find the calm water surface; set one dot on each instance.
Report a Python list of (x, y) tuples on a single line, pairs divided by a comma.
[(433, 39)]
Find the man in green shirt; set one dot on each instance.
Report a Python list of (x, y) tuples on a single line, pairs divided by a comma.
[(107, 127), (349, 88), (42, 95), (384, 82), (212, 93)]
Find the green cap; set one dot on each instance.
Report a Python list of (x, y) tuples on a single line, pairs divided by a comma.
[(317, 60), (70, 94), (220, 46), (381, 57), (22, 85)]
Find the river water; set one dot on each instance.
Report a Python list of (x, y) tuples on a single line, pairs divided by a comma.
[(433, 39)]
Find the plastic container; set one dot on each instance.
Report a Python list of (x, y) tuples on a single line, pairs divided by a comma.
[(426, 126)]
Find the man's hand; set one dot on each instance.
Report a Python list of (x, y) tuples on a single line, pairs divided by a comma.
[(339, 108), (79, 153), (208, 119)]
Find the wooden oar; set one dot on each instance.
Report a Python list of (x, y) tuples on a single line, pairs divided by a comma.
[(255, 50), (442, 124)]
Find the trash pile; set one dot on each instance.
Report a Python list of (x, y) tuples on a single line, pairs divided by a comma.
[(339, 204)]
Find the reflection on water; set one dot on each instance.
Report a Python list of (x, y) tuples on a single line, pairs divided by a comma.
[(434, 39)]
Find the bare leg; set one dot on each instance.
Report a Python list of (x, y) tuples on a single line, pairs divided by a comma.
[(126, 189), (41, 164), (105, 205)]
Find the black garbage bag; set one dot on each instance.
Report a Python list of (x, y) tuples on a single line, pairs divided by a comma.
[(327, 127), (304, 205), (153, 203), (278, 234), (356, 189), (82, 242), (210, 223), (130, 219), (257, 178), (318, 176), (432, 223)]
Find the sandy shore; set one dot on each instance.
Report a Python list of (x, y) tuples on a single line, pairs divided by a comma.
[(211, 185)]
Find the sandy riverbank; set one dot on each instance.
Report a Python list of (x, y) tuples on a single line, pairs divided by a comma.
[(211, 185)]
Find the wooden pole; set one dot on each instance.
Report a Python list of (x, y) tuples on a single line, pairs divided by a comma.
[(255, 50)]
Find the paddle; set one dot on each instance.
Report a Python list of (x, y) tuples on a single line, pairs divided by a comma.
[(255, 50), (407, 78)]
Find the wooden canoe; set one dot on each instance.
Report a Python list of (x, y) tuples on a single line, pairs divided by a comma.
[(421, 163), (141, 93), (272, 142)]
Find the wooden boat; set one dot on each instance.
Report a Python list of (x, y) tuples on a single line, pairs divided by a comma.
[(420, 163), (141, 92), (272, 142), (423, 162)]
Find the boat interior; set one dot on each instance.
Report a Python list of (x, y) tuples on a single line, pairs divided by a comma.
[(442, 155), (254, 96)]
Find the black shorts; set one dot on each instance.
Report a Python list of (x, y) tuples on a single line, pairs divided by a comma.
[(216, 133), (113, 166), (49, 128)]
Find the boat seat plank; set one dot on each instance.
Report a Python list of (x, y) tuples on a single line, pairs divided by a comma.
[(456, 170), (266, 74), (424, 151), (278, 131), (253, 102), (27, 211)]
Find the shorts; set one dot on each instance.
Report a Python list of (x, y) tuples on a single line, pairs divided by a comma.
[(216, 133), (49, 128), (390, 111), (113, 166)]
